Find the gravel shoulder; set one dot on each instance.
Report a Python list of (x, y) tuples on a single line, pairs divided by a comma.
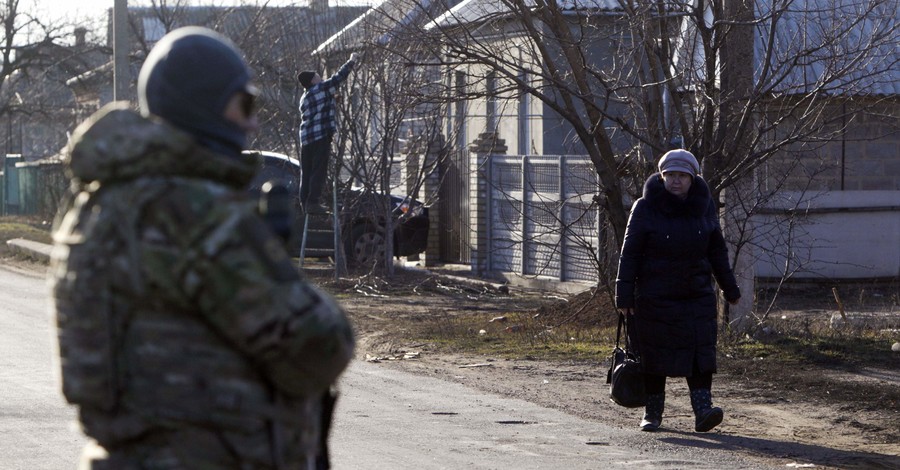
[(812, 417)]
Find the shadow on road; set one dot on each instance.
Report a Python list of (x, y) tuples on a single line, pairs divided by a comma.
[(802, 453)]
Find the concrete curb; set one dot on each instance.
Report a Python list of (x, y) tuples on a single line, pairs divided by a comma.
[(32, 249)]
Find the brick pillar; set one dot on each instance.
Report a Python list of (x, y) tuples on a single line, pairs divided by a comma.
[(431, 189), (412, 151), (487, 144), (421, 158)]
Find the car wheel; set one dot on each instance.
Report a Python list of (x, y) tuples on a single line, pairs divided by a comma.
[(366, 245)]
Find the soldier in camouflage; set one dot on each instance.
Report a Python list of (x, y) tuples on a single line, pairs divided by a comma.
[(188, 339)]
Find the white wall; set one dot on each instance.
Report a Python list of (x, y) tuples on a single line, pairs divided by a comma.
[(843, 235)]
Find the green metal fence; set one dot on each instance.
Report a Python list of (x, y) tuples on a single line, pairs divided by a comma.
[(11, 196), (31, 188)]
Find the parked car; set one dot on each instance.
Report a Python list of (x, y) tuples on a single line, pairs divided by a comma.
[(361, 215)]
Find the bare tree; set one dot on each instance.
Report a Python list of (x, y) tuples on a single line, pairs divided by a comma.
[(277, 42), (745, 85), (38, 56), (390, 137), (665, 78)]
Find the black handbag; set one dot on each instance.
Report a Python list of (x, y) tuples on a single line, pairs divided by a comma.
[(626, 374)]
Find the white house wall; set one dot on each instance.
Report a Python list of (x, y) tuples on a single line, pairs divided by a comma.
[(837, 235)]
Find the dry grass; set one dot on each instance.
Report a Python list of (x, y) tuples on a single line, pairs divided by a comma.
[(30, 228)]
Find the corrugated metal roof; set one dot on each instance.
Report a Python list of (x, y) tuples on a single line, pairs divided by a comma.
[(833, 46), (473, 11), (825, 46), (817, 46)]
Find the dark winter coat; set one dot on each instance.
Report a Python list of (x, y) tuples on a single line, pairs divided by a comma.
[(672, 249)]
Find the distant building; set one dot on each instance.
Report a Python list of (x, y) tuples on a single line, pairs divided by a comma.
[(277, 41), (39, 107), (833, 211)]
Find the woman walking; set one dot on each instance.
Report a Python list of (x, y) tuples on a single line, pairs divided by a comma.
[(673, 246)]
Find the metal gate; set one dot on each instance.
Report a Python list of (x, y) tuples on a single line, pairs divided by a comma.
[(543, 221), (454, 222)]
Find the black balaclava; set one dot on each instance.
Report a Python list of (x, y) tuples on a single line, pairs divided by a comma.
[(188, 78)]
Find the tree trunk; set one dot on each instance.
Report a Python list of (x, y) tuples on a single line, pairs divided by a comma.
[(737, 85)]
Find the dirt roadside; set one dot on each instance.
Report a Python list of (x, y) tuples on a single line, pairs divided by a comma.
[(812, 417)]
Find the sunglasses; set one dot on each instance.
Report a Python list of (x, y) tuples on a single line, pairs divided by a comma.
[(248, 104)]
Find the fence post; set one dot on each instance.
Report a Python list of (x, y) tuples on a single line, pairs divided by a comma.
[(525, 183), (563, 222), (487, 144), (11, 196)]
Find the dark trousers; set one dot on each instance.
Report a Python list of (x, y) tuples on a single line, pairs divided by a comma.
[(314, 158), (656, 384)]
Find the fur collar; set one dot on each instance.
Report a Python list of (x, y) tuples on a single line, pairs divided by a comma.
[(696, 203)]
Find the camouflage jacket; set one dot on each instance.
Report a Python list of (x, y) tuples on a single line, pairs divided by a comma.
[(179, 313)]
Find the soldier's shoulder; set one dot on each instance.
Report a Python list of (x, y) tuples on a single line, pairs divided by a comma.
[(114, 141), (111, 120)]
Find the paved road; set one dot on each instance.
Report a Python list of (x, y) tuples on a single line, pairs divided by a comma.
[(36, 426), (385, 419)]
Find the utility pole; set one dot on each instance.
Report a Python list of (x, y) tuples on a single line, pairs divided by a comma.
[(121, 46)]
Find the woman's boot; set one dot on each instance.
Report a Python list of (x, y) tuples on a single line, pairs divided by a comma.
[(653, 411), (706, 415)]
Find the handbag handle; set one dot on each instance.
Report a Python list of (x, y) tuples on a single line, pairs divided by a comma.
[(619, 329), (623, 325)]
